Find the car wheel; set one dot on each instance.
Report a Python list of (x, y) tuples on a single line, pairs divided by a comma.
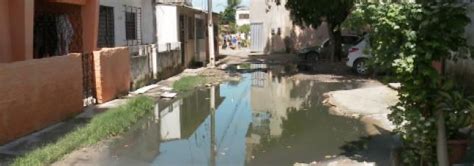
[(313, 56), (361, 67)]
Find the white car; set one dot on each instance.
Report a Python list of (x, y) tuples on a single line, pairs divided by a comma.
[(358, 56)]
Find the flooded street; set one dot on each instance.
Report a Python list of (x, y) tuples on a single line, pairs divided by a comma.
[(263, 119)]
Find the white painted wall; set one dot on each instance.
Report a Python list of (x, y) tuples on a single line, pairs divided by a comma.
[(167, 26), (119, 21), (171, 122), (239, 21)]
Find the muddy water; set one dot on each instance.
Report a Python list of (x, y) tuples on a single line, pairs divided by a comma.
[(263, 119)]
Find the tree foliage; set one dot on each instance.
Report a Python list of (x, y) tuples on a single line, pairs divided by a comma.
[(314, 12), (407, 38), (228, 15), (244, 29)]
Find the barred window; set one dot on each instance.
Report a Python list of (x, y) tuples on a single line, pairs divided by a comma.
[(106, 36), (131, 25), (133, 17)]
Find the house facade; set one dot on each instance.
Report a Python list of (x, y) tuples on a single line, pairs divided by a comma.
[(183, 28), (273, 31), (41, 53), (242, 16), (130, 24)]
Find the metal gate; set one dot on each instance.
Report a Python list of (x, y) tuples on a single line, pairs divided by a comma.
[(257, 37), (88, 79)]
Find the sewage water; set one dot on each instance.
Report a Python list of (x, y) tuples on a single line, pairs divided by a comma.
[(263, 119)]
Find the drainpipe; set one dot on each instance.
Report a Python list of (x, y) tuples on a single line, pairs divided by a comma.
[(154, 58), (155, 22)]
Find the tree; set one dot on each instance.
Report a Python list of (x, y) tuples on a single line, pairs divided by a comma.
[(244, 29), (311, 13), (406, 39), (228, 16)]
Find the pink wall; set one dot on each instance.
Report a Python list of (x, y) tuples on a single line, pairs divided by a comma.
[(16, 29), (90, 25), (38, 93), (112, 73), (21, 29), (5, 46)]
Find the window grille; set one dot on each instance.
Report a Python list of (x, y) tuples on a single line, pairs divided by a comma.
[(106, 27), (133, 32)]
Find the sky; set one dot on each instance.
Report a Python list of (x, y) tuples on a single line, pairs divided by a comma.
[(217, 5)]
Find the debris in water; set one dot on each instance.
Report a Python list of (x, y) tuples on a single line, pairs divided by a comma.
[(223, 67), (166, 88), (168, 95)]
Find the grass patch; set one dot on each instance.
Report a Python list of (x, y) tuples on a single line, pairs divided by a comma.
[(245, 66), (188, 82), (110, 123)]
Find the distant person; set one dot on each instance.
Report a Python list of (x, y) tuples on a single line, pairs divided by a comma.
[(234, 41), (224, 44)]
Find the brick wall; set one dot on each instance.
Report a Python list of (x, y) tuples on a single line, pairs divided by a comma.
[(112, 72), (38, 93)]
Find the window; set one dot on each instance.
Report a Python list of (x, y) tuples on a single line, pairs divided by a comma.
[(191, 28), (106, 36), (131, 25), (133, 34), (244, 16), (200, 29)]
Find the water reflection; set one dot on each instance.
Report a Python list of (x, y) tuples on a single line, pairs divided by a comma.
[(263, 119)]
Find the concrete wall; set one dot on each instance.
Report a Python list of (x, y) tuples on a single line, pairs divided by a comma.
[(119, 21), (169, 63), (279, 32), (112, 73), (38, 93), (142, 66)]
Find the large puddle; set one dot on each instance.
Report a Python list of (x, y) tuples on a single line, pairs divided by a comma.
[(263, 119)]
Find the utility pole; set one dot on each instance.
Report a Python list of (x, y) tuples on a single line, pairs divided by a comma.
[(212, 56), (213, 155)]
